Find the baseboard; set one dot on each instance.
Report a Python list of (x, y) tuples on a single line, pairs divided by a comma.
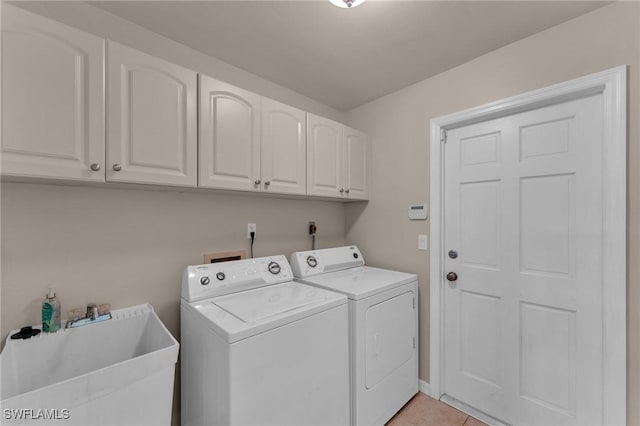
[(425, 388)]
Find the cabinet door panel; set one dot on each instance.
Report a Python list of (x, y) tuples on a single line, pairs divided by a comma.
[(52, 99), (356, 166), (283, 148), (229, 136), (152, 119), (324, 157)]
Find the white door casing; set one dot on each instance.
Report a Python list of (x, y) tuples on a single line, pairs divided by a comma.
[(545, 290)]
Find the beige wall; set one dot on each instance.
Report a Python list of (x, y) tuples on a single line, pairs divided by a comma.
[(128, 247), (399, 127)]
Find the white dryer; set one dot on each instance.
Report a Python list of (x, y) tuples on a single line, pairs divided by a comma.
[(383, 318), (260, 349)]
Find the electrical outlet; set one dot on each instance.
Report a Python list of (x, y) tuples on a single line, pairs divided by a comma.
[(251, 227)]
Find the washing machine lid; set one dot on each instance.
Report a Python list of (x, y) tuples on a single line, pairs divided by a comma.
[(361, 282), (241, 315)]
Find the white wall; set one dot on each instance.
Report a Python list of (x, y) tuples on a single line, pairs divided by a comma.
[(399, 127)]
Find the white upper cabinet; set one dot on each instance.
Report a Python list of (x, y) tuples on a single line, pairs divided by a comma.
[(338, 160), (357, 155), (52, 99), (283, 159), (162, 127), (229, 123), (324, 156), (152, 133)]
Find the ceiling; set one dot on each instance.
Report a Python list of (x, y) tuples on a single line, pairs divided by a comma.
[(344, 58)]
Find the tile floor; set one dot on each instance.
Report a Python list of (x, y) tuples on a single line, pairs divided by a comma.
[(425, 411)]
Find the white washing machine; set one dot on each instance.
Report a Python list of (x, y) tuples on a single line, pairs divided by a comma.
[(260, 349), (383, 318)]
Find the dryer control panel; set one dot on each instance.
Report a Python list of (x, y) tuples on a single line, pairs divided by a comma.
[(315, 262), (216, 279)]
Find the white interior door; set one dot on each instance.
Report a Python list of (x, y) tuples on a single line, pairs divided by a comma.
[(523, 211)]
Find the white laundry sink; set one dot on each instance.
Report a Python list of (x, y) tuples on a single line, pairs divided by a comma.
[(116, 372)]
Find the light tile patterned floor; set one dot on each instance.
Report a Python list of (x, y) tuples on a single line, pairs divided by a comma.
[(425, 411)]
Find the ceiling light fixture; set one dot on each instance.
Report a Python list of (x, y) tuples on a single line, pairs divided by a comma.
[(347, 3)]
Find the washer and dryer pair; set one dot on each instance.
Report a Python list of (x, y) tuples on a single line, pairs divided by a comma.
[(336, 347)]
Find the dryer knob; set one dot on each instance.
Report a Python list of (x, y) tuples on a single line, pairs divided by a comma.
[(274, 268), (220, 276), (312, 261), (204, 280)]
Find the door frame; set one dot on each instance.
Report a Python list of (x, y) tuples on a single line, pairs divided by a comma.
[(612, 84)]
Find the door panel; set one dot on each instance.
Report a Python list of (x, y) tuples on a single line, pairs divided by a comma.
[(547, 350), (356, 164), (229, 136), (547, 220), (52, 99), (324, 157), (284, 148), (523, 322), (480, 337), (152, 119), (479, 206)]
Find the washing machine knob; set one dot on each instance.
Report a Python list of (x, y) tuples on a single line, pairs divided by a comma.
[(274, 268), (204, 280), (220, 276), (312, 261)]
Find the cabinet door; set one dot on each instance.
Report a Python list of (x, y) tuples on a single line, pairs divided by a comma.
[(324, 157), (357, 156), (229, 136), (152, 119), (283, 148), (52, 99)]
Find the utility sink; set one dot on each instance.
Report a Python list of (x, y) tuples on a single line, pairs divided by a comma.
[(116, 372)]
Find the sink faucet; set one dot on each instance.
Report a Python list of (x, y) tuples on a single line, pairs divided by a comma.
[(95, 313)]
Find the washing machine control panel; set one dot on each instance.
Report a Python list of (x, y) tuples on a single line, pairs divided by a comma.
[(314, 262), (216, 279)]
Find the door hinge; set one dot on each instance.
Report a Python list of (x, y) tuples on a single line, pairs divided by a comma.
[(414, 343), (443, 136)]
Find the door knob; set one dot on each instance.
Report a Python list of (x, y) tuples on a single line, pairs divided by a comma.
[(452, 276), (95, 167), (117, 167)]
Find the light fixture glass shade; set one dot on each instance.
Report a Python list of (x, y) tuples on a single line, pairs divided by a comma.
[(347, 3)]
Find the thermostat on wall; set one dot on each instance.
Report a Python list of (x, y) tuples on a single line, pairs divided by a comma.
[(418, 212)]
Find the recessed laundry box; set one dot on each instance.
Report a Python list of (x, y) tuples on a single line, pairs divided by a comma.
[(116, 372)]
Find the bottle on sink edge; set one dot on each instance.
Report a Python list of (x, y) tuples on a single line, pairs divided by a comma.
[(50, 313)]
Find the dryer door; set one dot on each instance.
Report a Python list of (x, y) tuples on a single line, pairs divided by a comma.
[(390, 336)]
